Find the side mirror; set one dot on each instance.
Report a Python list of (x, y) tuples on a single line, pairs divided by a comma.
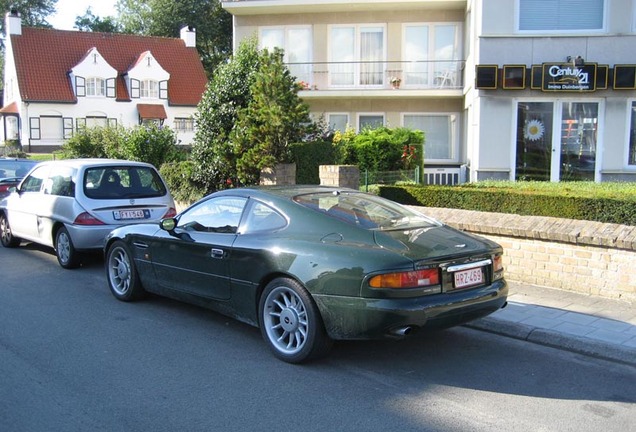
[(168, 224)]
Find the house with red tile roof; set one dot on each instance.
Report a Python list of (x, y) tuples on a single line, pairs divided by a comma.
[(57, 82)]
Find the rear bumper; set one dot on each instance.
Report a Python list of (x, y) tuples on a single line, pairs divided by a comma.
[(89, 237), (367, 318)]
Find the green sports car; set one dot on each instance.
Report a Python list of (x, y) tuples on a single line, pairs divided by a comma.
[(311, 264)]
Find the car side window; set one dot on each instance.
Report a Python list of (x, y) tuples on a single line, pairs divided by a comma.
[(60, 182), (33, 183), (218, 215), (260, 218)]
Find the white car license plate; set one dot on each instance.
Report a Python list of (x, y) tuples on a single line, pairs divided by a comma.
[(469, 277), (131, 214)]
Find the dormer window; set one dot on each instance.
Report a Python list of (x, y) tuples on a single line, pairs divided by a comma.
[(149, 89), (95, 87)]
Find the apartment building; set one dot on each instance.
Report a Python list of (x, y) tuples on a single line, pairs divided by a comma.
[(503, 89)]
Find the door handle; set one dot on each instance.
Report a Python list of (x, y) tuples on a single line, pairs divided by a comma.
[(218, 253)]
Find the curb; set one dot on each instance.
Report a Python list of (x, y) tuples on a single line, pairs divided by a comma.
[(541, 336)]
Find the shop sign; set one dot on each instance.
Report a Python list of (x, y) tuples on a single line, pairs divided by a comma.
[(568, 77)]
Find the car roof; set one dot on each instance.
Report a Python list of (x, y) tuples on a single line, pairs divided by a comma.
[(90, 162), (288, 191)]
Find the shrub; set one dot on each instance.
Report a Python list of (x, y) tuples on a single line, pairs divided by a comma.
[(308, 157), (178, 176)]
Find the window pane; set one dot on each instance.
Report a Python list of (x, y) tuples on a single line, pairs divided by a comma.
[(272, 38), (446, 49), (561, 14), (342, 55), (371, 55), (370, 122), (338, 122), (632, 137), (298, 50), (51, 128), (579, 125), (437, 134), (416, 55), (534, 141)]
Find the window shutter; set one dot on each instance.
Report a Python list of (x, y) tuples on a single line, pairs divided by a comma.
[(134, 88), (80, 86), (80, 123), (561, 15), (112, 122), (67, 127), (34, 128), (110, 88), (163, 90)]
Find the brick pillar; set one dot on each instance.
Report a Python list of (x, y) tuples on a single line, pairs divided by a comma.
[(347, 176), (281, 174)]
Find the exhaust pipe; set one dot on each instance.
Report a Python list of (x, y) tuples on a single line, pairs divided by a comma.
[(403, 331)]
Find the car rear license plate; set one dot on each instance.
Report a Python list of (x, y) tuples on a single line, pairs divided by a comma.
[(131, 214), (470, 277)]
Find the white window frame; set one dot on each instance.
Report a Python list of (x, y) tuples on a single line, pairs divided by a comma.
[(436, 77), (149, 89), (307, 74), (348, 123), (631, 105), (356, 55), (184, 124), (454, 120), (95, 87), (375, 114), (602, 30)]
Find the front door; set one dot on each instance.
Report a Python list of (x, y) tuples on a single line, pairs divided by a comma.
[(557, 141)]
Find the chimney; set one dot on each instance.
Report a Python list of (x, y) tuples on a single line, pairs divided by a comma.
[(189, 36), (13, 23)]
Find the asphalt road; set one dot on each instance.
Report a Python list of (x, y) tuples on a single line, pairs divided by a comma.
[(72, 358)]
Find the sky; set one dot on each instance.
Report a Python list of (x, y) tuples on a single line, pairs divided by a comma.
[(68, 10)]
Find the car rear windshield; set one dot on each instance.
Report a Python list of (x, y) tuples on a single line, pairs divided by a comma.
[(15, 168), (365, 210), (114, 182)]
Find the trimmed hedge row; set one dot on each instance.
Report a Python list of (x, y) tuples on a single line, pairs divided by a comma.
[(609, 207)]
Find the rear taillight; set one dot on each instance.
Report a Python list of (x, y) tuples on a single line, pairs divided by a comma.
[(87, 219), (170, 213), (4, 188), (408, 279), (497, 267)]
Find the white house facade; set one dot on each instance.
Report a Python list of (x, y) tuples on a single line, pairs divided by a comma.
[(503, 89), (57, 82)]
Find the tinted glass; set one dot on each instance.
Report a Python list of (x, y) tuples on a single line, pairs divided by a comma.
[(15, 168), (114, 182), (363, 210), (218, 215)]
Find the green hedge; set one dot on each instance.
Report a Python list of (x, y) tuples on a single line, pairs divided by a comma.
[(611, 203), (308, 157)]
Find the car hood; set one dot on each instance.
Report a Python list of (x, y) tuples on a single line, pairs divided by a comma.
[(432, 242)]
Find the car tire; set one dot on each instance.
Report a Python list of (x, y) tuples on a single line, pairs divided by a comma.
[(291, 323), (6, 236), (121, 273), (66, 254)]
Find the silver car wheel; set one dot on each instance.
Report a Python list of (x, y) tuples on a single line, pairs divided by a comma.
[(63, 247), (285, 320), (119, 272)]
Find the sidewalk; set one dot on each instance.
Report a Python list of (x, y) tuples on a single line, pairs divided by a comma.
[(588, 325)]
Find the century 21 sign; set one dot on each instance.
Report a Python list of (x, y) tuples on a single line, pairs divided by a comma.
[(568, 77)]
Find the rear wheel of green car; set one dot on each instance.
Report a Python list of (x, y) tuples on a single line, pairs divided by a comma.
[(291, 323)]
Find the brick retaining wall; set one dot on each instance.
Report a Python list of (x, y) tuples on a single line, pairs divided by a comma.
[(585, 257)]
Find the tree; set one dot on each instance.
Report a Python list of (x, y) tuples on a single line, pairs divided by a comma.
[(32, 12), (91, 23), (228, 91), (167, 17), (274, 118)]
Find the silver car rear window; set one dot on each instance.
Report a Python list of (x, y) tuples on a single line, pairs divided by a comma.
[(114, 182)]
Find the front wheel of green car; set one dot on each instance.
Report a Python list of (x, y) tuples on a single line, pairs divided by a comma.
[(121, 273), (291, 323)]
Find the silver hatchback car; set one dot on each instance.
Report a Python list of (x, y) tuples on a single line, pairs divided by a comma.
[(71, 205)]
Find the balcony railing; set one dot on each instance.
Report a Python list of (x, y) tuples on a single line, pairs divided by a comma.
[(368, 75)]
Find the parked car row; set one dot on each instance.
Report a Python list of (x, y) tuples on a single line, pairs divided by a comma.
[(305, 264)]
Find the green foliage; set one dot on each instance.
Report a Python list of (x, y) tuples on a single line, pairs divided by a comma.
[(32, 12), (178, 176), (601, 202), (381, 149), (274, 117), (152, 144), (226, 93), (308, 157), (165, 18), (92, 23)]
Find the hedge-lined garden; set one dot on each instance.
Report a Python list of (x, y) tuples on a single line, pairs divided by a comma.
[(601, 202)]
